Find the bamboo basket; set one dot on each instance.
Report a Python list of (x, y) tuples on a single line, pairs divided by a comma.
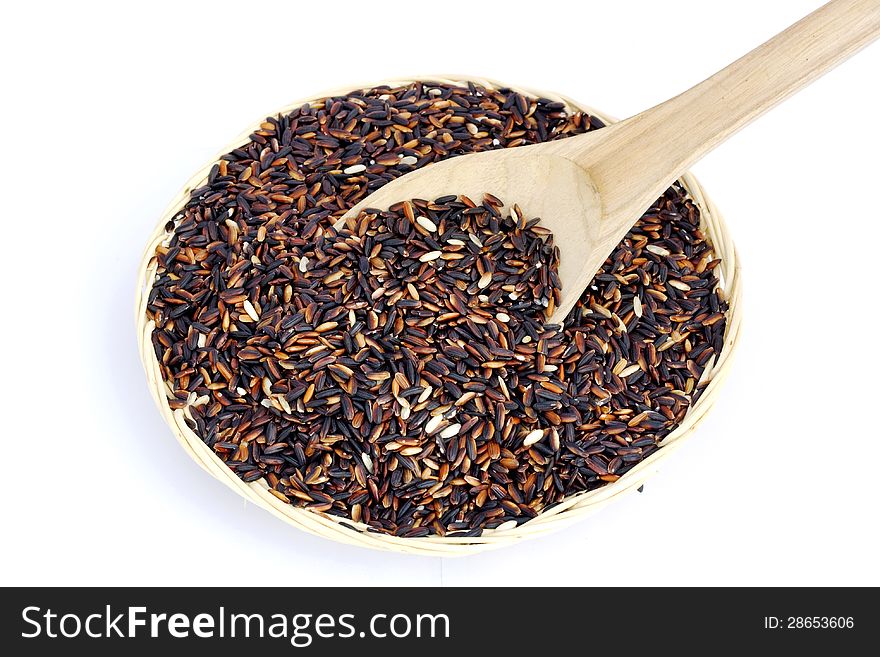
[(561, 515)]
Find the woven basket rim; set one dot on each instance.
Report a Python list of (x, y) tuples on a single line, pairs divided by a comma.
[(551, 519)]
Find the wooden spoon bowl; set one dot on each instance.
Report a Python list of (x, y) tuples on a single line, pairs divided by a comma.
[(590, 189)]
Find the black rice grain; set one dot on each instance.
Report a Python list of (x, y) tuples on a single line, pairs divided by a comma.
[(398, 372)]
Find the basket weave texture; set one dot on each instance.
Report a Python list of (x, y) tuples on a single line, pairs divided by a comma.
[(556, 517)]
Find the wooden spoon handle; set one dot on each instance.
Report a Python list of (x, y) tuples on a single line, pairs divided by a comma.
[(637, 159)]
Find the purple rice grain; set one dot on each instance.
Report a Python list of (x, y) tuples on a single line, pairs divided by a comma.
[(360, 373)]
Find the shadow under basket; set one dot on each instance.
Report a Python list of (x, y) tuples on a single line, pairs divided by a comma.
[(560, 515)]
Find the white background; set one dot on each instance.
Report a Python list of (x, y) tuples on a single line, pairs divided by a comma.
[(107, 111)]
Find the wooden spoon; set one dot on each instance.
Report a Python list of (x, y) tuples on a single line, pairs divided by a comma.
[(590, 189)]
